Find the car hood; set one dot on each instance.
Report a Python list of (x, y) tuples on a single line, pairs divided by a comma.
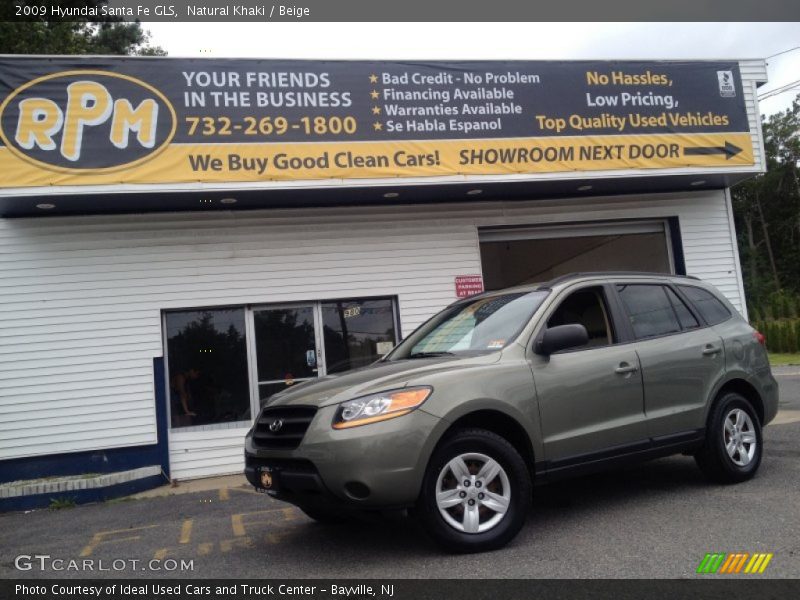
[(374, 378)]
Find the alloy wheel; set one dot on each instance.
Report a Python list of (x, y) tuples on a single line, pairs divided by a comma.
[(473, 493), (740, 437)]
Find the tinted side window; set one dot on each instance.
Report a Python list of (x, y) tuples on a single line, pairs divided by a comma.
[(685, 316), (709, 306), (586, 307), (649, 309)]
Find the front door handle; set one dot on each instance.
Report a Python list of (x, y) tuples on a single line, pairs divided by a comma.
[(710, 350), (624, 368)]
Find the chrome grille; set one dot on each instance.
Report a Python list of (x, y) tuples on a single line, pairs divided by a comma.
[(282, 427)]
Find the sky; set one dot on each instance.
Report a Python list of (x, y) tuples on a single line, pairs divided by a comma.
[(496, 41)]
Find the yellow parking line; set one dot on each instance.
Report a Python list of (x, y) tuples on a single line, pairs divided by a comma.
[(224, 494), (242, 542), (101, 538), (186, 532), (237, 520), (236, 525), (160, 554), (244, 490), (204, 548), (277, 538)]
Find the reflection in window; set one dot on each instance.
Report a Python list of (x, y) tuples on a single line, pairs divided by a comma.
[(207, 360), (649, 310), (286, 348), (481, 325), (685, 316), (357, 332), (712, 310), (285, 343)]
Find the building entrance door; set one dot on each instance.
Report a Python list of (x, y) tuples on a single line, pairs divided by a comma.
[(288, 347)]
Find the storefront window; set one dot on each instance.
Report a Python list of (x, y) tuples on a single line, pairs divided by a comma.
[(207, 360), (286, 348), (357, 332)]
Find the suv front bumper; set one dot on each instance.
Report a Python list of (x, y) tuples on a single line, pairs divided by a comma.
[(379, 465)]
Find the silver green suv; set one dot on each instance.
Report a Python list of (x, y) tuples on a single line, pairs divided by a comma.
[(521, 386)]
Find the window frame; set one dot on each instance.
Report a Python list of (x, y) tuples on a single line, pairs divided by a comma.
[(395, 303), (692, 310), (667, 284), (250, 343), (691, 303), (618, 333), (252, 351), (422, 330)]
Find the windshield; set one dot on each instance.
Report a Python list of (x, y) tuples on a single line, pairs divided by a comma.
[(472, 327)]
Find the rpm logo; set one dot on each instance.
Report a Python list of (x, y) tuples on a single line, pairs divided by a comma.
[(86, 121)]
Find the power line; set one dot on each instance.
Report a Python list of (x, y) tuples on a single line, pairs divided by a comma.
[(780, 87), (784, 52), (779, 90), (777, 93), (791, 89)]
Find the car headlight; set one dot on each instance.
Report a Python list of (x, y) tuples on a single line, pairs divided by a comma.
[(379, 407)]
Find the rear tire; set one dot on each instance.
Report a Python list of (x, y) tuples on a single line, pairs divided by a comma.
[(476, 493), (733, 447)]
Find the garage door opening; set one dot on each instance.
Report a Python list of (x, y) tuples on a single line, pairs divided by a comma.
[(513, 256)]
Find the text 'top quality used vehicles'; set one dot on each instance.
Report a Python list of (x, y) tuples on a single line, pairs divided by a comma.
[(524, 385)]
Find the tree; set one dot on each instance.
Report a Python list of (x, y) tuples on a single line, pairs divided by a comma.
[(42, 36), (767, 213)]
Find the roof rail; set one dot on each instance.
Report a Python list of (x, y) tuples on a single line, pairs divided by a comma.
[(576, 275)]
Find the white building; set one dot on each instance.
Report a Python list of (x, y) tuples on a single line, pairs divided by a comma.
[(133, 337)]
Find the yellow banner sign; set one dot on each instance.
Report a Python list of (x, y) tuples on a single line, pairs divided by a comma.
[(184, 163)]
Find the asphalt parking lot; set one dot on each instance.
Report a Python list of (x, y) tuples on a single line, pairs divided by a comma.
[(651, 521)]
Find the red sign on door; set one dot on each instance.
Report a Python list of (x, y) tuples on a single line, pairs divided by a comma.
[(468, 285)]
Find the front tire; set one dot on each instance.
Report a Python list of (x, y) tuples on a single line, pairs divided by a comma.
[(476, 492), (733, 447)]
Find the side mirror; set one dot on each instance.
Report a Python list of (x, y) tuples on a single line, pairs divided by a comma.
[(562, 337)]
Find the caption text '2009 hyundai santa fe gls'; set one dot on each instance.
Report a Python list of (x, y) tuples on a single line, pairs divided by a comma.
[(521, 385)]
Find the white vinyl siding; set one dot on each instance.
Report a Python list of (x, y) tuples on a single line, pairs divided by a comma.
[(754, 73), (194, 454), (81, 297)]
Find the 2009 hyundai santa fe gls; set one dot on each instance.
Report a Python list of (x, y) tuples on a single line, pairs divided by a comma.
[(521, 385)]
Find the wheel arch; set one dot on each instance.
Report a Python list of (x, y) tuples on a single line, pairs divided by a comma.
[(744, 388), (500, 423)]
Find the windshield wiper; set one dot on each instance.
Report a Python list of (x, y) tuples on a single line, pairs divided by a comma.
[(429, 354)]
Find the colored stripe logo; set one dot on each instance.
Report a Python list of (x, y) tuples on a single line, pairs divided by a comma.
[(736, 562)]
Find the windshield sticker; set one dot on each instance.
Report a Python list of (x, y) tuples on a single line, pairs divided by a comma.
[(496, 344)]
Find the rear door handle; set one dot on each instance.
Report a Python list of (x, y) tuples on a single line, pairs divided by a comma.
[(711, 350), (625, 368)]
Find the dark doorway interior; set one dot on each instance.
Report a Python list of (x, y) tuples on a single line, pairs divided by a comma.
[(514, 262)]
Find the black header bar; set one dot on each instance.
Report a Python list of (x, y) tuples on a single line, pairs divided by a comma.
[(418, 589), (406, 11)]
